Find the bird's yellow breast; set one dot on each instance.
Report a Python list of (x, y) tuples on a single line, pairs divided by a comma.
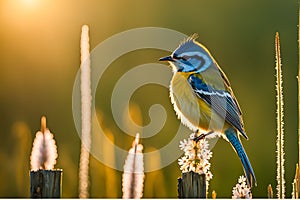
[(190, 109)]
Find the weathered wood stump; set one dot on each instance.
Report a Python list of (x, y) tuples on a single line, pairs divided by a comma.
[(45, 183), (192, 185)]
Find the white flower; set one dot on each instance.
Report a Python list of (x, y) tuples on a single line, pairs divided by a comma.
[(196, 156), (241, 190), (184, 164), (192, 136), (209, 175), (184, 145), (242, 179)]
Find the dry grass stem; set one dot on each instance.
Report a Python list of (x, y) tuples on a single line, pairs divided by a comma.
[(86, 102), (270, 191), (280, 131)]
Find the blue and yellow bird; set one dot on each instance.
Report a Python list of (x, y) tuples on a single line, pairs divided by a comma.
[(203, 99)]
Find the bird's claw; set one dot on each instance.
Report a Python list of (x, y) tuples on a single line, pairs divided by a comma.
[(197, 138)]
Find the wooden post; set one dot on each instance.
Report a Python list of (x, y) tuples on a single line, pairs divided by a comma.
[(45, 183), (192, 185)]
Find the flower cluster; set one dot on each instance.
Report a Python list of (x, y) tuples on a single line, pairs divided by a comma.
[(196, 156), (241, 190)]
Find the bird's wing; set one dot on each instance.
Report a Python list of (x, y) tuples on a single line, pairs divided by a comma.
[(222, 102)]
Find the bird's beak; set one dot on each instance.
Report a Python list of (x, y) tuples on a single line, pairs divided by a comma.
[(167, 58)]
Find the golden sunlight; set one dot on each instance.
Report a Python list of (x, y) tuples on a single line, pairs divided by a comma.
[(29, 3), (22, 5)]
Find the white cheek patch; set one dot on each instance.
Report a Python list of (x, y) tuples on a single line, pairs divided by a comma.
[(174, 68)]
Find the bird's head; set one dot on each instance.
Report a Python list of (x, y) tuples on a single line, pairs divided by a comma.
[(190, 56)]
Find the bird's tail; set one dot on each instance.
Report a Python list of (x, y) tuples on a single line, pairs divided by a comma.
[(237, 145)]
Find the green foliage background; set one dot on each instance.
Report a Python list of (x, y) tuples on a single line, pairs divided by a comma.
[(39, 58)]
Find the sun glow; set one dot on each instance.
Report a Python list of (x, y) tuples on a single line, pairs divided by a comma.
[(21, 5), (29, 3), (21, 12)]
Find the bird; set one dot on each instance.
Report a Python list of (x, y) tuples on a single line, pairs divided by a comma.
[(203, 98)]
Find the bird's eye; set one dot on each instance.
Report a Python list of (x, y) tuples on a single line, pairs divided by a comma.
[(175, 57), (184, 58), (179, 57)]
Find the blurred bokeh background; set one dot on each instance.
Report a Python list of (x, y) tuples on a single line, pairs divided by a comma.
[(39, 59)]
